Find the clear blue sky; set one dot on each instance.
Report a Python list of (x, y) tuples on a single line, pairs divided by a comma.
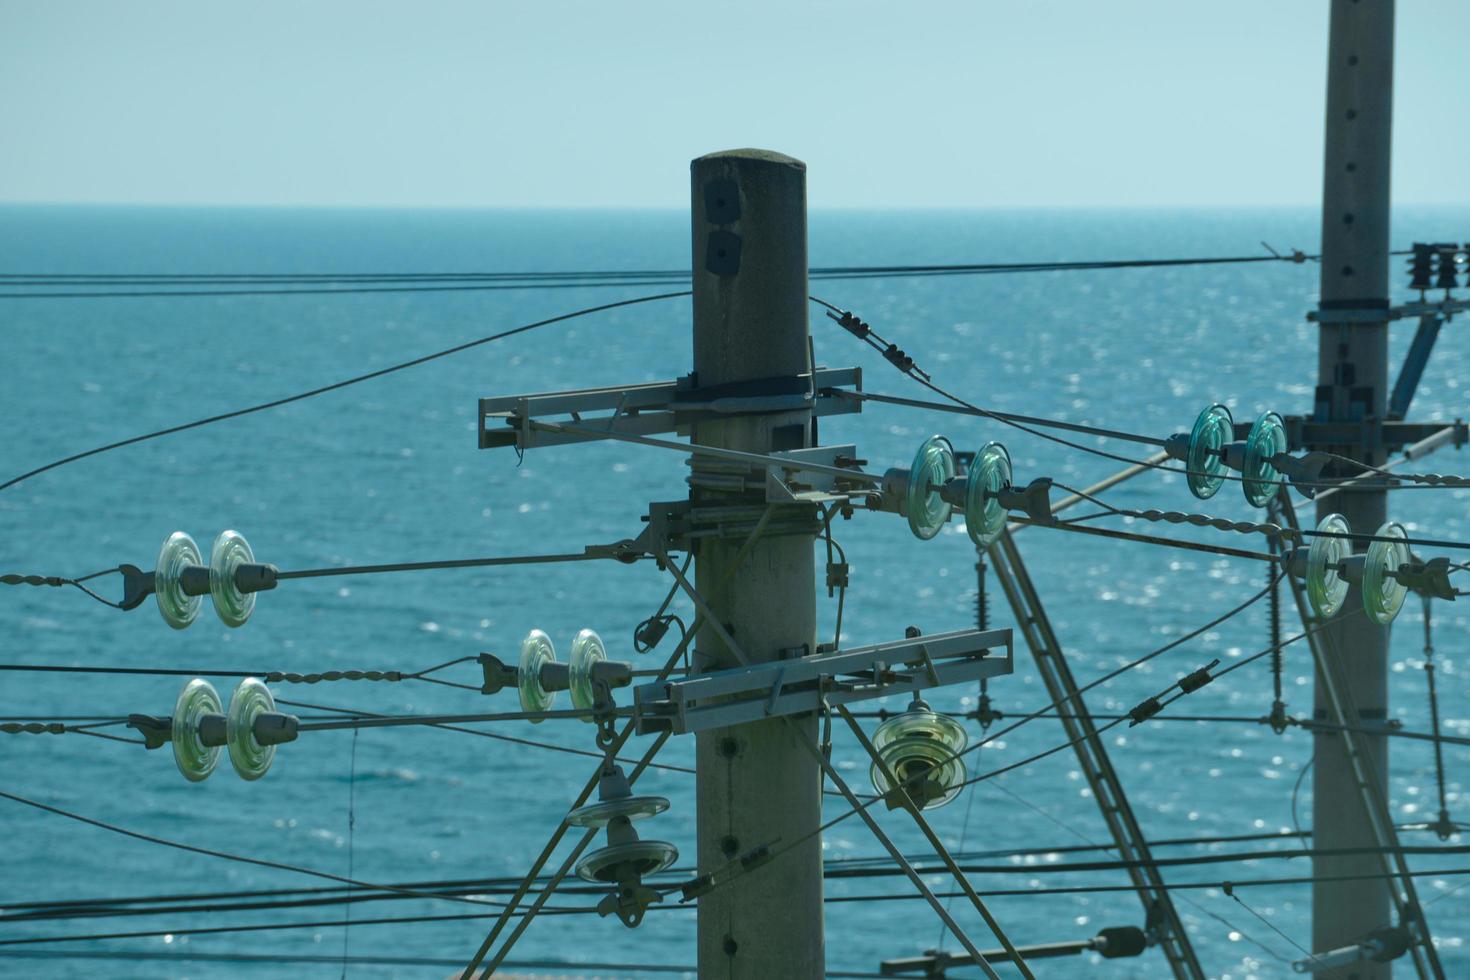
[(978, 103)]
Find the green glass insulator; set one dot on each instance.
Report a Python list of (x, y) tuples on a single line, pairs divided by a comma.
[(933, 467), (1261, 480), (990, 472), (1213, 430)]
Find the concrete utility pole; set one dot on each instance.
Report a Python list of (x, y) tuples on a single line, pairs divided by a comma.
[(1352, 387), (756, 783)]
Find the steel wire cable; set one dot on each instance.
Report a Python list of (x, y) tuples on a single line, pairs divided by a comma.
[(105, 909), (64, 285), (830, 899), (280, 958), (589, 554), (570, 750), (832, 865), (20, 911), (1418, 481), (358, 379), (225, 855)]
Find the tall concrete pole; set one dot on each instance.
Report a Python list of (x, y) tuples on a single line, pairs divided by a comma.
[(1352, 386), (756, 783)]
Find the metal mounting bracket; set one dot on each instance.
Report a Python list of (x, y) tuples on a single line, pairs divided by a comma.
[(659, 406), (797, 685)]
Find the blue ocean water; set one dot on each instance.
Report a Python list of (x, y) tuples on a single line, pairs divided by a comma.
[(389, 471)]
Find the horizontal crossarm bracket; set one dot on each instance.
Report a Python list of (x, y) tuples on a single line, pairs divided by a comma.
[(659, 406), (797, 685)]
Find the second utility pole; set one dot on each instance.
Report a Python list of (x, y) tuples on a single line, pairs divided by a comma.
[(756, 784), (1352, 387)]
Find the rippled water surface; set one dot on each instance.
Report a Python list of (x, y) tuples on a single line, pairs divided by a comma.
[(389, 471)]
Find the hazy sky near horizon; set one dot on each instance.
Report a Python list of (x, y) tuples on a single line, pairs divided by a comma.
[(559, 103)]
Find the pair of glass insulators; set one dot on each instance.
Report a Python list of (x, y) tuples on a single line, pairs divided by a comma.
[(625, 859), (934, 466), (537, 651), (196, 760), (179, 552), (1212, 432), (1327, 587), (921, 748)]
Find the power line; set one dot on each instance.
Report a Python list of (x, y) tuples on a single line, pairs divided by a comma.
[(208, 852), (65, 285), (1419, 481), (276, 403)]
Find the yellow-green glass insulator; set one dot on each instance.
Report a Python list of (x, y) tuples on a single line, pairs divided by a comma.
[(933, 467), (178, 552), (1383, 594), (921, 748), (230, 551), (536, 652), (587, 650), (250, 700), (1326, 588), (194, 759)]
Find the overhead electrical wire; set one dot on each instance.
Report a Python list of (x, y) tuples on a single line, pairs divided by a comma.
[(225, 855), (829, 899), (65, 285), (905, 364), (1417, 481), (358, 379), (317, 898)]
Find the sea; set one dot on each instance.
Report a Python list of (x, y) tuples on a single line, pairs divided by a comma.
[(389, 471)]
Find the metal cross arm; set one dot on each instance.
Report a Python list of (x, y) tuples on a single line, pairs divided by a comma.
[(800, 683), (659, 406)]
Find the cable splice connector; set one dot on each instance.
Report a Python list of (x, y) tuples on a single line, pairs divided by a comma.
[(1187, 684), (850, 322), (1190, 683), (1144, 710)]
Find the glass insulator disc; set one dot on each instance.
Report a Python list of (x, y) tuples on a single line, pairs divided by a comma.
[(608, 865), (536, 651), (230, 551), (1326, 588), (194, 759), (251, 699), (1383, 595), (990, 472), (177, 609), (921, 748), (587, 650), (603, 812), (933, 467), (1267, 438), (1212, 431)]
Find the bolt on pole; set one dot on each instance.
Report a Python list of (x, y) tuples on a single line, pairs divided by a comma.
[(755, 784)]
